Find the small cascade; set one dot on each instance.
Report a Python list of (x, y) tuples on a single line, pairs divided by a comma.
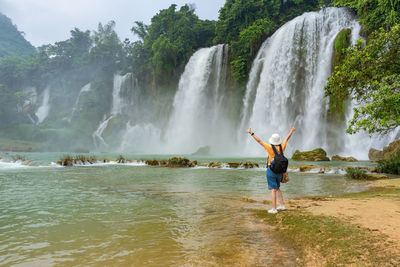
[(199, 117), (119, 106), (43, 110), (97, 135), (83, 90), (287, 79)]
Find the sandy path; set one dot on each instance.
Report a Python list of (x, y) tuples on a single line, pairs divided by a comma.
[(380, 214)]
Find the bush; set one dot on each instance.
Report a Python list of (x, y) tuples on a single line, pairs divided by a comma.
[(18, 158), (178, 162), (356, 173), (391, 165)]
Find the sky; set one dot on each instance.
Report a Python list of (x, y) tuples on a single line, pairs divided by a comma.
[(49, 21)]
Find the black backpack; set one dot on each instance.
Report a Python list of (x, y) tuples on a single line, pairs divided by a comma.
[(280, 163)]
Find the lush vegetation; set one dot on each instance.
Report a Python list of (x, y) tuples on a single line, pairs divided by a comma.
[(356, 173), (66, 67), (371, 75), (374, 14), (391, 165), (167, 43), (12, 42)]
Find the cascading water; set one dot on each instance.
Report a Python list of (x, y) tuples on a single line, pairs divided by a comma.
[(287, 79), (118, 103), (198, 118), (44, 109), (116, 108), (83, 90), (97, 138)]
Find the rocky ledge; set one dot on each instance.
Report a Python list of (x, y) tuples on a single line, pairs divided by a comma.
[(388, 152), (317, 154), (340, 158)]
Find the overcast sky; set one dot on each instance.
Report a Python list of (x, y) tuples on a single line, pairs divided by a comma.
[(48, 21)]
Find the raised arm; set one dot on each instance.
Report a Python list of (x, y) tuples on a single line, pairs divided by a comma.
[(292, 129), (254, 136)]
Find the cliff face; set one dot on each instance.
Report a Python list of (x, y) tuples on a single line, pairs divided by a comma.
[(12, 42)]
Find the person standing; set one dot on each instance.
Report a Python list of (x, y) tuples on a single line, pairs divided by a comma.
[(274, 179)]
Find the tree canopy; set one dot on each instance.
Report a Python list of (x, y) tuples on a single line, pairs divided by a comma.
[(168, 42), (370, 75)]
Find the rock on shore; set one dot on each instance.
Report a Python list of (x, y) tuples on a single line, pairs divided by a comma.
[(340, 158), (317, 154), (388, 152)]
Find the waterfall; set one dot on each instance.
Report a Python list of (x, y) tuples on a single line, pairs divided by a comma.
[(83, 90), (198, 118), (287, 79), (43, 110), (75, 108), (118, 103), (97, 138), (119, 106)]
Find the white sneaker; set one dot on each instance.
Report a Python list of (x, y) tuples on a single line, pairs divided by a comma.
[(281, 207), (273, 211)]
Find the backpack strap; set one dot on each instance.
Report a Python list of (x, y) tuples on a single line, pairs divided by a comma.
[(280, 147), (275, 151)]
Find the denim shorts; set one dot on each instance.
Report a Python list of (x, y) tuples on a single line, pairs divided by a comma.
[(273, 179)]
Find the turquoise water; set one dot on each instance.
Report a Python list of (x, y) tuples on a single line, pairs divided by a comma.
[(135, 215)]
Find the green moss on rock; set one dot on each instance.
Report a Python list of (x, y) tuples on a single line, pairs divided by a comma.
[(317, 154), (340, 158), (337, 102)]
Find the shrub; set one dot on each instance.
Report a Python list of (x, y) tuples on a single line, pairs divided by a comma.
[(121, 159), (178, 162), (391, 165), (18, 158), (356, 173)]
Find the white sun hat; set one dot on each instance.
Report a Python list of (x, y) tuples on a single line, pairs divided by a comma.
[(275, 139)]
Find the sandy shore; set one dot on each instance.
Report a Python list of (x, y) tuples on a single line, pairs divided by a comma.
[(359, 229), (378, 213), (376, 210)]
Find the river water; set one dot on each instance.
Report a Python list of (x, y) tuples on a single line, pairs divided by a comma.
[(140, 215)]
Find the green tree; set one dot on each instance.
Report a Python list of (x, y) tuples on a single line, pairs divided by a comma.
[(374, 14), (8, 106), (108, 51), (370, 74), (167, 43)]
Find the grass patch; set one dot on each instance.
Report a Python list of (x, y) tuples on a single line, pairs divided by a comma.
[(374, 192), (18, 158), (329, 241)]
